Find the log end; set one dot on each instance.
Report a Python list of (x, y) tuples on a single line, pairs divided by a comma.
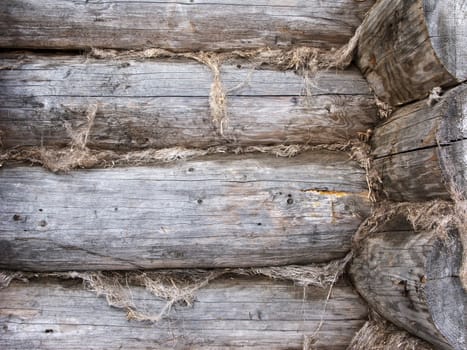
[(412, 276), (447, 29), (408, 47), (446, 297), (453, 136)]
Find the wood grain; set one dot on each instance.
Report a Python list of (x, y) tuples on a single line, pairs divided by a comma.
[(409, 47), (421, 151), (183, 25), (229, 211), (447, 28), (412, 279), (228, 313), (166, 103)]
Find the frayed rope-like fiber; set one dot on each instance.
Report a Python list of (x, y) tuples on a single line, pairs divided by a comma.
[(62, 159)]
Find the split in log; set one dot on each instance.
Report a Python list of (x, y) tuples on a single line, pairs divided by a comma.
[(421, 151), (251, 210), (407, 47), (411, 277), (185, 25), (161, 104), (228, 313)]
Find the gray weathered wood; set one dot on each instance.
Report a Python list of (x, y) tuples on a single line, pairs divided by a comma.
[(229, 313), (421, 151), (409, 47), (182, 25), (412, 279), (447, 27), (166, 103), (253, 210)]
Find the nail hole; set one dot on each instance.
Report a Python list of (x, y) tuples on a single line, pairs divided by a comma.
[(41, 210), (259, 224), (49, 331), (43, 223), (17, 217), (191, 170), (200, 201), (290, 201), (115, 209)]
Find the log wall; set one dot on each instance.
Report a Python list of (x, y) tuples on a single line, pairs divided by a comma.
[(226, 210)]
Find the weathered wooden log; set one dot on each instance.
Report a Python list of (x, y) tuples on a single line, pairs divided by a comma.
[(166, 103), (408, 47), (252, 210), (183, 25), (421, 151), (412, 279), (228, 313)]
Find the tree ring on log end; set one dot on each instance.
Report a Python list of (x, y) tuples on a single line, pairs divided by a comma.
[(447, 28), (445, 295)]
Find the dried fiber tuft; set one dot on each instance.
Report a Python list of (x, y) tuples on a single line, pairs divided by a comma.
[(378, 333), (318, 275), (361, 152), (435, 96), (435, 215), (384, 109), (7, 277), (217, 96)]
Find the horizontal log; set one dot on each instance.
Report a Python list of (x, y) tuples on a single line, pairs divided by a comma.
[(421, 151), (183, 25), (252, 210), (228, 313), (411, 277), (166, 103), (408, 47)]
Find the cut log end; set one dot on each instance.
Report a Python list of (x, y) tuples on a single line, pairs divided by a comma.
[(407, 48), (447, 29), (421, 151), (452, 136), (411, 276), (446, 297)]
